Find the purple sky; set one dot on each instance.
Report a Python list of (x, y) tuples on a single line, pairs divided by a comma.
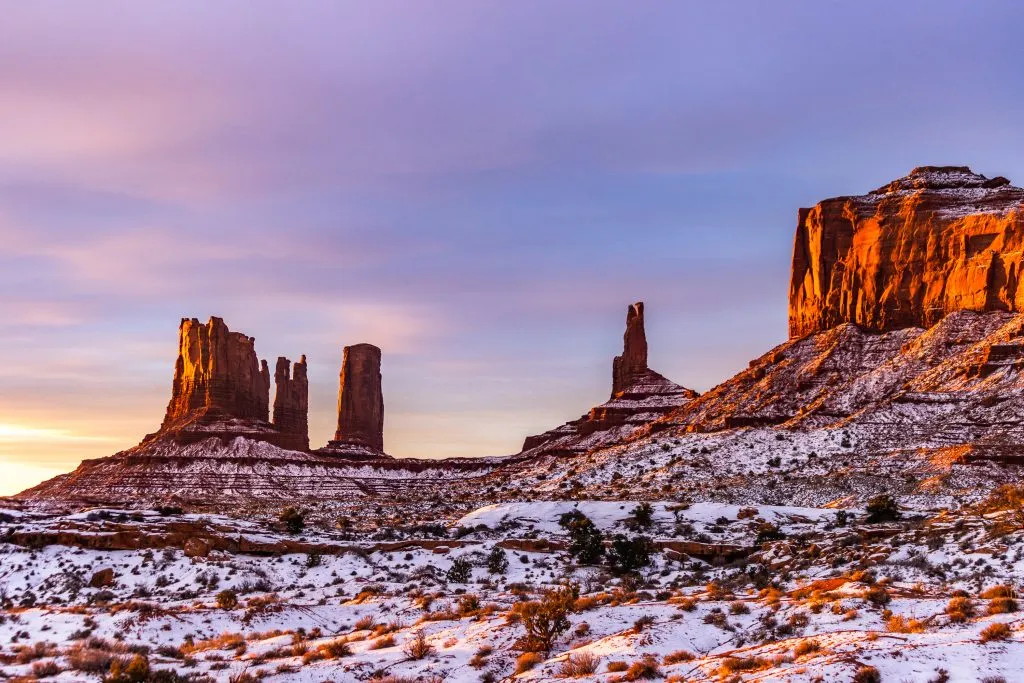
[(479, 188)]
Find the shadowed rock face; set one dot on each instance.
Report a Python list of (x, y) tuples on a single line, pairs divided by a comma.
[(632, 364), (217, 371), (938, 240), (291, 402), (360, 399)]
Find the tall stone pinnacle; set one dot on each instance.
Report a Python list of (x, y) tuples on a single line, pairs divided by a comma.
[(360, 399), (628, 367), (291, 402)]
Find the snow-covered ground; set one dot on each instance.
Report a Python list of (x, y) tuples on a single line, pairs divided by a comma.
[(823, 597)]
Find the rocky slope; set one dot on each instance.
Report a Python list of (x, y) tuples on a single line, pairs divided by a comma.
[(938, 240)]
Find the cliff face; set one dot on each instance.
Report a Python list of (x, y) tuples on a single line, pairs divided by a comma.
[(217, 371), (291, 403), (938, 240)]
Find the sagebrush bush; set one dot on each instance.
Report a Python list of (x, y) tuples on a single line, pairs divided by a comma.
[(580, 664)]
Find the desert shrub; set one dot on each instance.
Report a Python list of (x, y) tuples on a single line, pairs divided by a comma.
[(460, 571), (806, 647), (365, 623), (882, 508), (227, 599), (960, 609), (45, 669), (418, 647), (900, 624), (134, 670), (527, 661), (469, 603), (996, 631), (293, 519), (739, 607), (586, 542), (641, 517), (581, 664), (616, 666), (383, 642), (1001, 606), (30, 653), (544, 620), (769, 532), (1000, 590), (89, 659), (867, 674), (643, 622), (678, 657), (336, 649), (497, 561), (643, 669), (731, 665), (629, 554), (877, 595)]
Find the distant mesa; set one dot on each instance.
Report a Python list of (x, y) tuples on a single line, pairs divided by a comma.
[(360, 432), (940, 239), (639, 396)]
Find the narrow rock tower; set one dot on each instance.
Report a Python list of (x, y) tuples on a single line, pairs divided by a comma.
[(632, 364), (291, 403), (360, 400)]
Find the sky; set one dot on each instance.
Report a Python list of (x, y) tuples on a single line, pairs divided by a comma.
[(479, 188)]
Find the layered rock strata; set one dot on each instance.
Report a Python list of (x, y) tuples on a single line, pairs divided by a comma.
[(938, 240), (639, 396), (360, 432)]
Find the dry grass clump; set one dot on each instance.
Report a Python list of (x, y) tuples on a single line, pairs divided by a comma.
[(731, 665), (806, 647), (616, 666), (1000, 590), (45, 669), (738, 607), (900, 624), (678, 657), (580, 664), (418, 647), (383, 642), (527, 661), (959, 609), (23, 654), (867, 674), (365, 623), (1001, 605), (686, 603), (225, 641), (335, 649), (876, 595), (996, 631), (643, 669)]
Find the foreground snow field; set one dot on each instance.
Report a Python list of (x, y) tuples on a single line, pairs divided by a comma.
[(765, 593)]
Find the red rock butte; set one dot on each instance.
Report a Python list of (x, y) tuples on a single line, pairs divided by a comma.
[(938, 240), (360, 430), (221, 388)]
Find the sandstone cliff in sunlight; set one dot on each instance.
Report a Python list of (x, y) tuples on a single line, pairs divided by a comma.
[(940, 239)]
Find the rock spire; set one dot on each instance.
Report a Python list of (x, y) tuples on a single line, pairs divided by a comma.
[(291, 402), (632, 364), (360, 400)]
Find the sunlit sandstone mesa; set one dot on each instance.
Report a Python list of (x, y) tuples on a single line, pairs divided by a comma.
[(938, 240)]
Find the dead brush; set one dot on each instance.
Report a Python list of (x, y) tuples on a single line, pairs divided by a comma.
[(959, 609), (806, 647), (678, 657), (382, 642), (643, 669), (527, 661), (24, 654), (579, 664), (732, 665), (418, 647), (901, 624)]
